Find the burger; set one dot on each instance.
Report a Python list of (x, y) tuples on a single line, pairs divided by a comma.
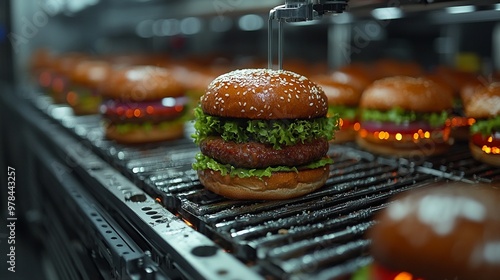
[(343, 100), (356, 75), (143, 104), (62, 67), (484, 107), (447, 231), (404, 116), (263, 134), (86, 80), (40, 64)]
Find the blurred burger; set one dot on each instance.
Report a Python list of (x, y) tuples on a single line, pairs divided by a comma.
[(343, 100), (484, 107), (356, 75), (461, 83), (62, 67), (404, 116), (84, 90), (263, 134), (143, 104), (40, 67), (447, 231)]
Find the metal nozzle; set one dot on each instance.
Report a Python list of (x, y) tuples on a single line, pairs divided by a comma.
[(295, 11)]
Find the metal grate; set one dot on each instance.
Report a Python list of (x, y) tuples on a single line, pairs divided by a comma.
[(316, 236)]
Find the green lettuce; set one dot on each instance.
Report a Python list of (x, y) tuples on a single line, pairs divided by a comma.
[(277, 133), (399, 116), (344, 112), (123, 128), (486, 126), (203, 162)]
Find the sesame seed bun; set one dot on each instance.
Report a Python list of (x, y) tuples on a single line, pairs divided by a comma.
[(441, 232), (264, 94), (485, 102), (141, 83), (408, 93)]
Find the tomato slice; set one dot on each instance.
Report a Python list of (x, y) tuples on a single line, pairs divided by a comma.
[(489, 144), (404, 128), (167, 107)]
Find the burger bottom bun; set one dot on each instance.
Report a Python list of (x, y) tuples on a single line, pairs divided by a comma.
[(424, 148), (280, 185), (479, 155), (139, 136), (344, 135)]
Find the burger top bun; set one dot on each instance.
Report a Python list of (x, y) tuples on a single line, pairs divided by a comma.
[(339, 93), (91, 73), (356, 75), (485, 102), (64, 63), (264, 94), (449, 231), (142, 83), (408, 93)]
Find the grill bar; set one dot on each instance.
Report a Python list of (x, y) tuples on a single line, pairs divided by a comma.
[(316, 236)]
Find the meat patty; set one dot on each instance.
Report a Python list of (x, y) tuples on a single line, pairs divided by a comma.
[(258, 155)]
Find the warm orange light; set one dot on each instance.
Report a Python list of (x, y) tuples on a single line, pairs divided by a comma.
[(356, 126), (341, 122), (427, 134), (403, 276), (150, 109), (188, 222), (158, 200), (471, 121), (179, 108), (137, 113), (491, 150), (72, 98), (129, 113), (399, 136), (44, 79), (490, 139), (415, 136), (120, 111), (363, 133)]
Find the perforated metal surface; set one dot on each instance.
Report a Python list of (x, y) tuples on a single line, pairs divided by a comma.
[(317, 236)]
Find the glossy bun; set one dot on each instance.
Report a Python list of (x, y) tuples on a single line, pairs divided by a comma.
[(409, 93), (91, 73), (280, 185), (444, 232), (264, 94), (485, 102), (142, 83)]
